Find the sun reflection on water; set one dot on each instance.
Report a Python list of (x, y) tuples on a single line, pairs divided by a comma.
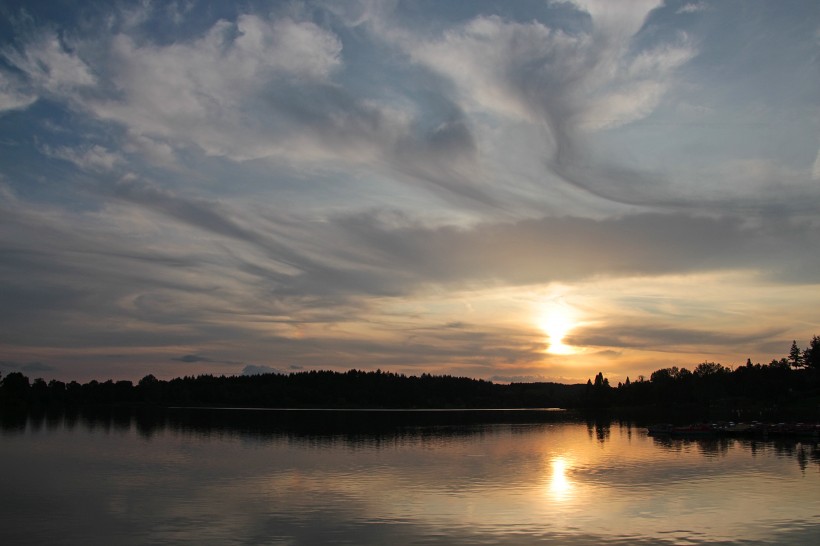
[(560, 487)]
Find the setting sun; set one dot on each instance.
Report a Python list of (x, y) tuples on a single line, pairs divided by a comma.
[(556, 321)]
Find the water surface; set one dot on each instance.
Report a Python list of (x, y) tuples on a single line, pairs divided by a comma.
[(274, 477)]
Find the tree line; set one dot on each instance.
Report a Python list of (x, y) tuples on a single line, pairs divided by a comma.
[(308, 389), (792, 381)]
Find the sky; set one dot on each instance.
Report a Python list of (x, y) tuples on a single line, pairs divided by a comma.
[(513, 191)]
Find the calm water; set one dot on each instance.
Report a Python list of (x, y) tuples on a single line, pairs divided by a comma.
[(245, 477)]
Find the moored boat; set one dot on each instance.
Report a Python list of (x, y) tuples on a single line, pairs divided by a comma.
[(686, 430), (764, 430)]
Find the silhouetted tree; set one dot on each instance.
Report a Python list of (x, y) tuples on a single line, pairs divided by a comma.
[(39, 391), (150, 388), (811, 356), (56, 391), (707, 369), (15, 388), (796, 356), (599, 393)]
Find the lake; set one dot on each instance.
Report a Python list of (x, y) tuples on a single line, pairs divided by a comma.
[(329, 477)]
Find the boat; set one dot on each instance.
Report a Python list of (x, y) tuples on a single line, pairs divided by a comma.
[(703, 429), (659, 430), (754, 429), (686, 430)]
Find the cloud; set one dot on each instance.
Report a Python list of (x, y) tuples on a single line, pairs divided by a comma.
[(667, 338), (31, 367), (90, 158), (252, 369), (569, 83), (212, 91), (352, 184), (192, 358), (619, 19), (159, 257), (256, 87), (37, 367), (12, 94), (155, 151), (208, 92), (51, 66), (561, 249), (693, 7), (196, 359), (88, 278), (158, 269), (196, 212)]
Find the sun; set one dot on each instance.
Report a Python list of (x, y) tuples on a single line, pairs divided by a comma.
[(557, 320)]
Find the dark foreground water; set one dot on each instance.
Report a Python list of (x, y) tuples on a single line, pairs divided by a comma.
[(272, 477)]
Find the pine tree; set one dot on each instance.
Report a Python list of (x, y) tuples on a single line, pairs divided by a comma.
[(795, 356), (811, 356)]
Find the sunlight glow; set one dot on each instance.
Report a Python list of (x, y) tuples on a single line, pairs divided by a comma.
[(556, 321)]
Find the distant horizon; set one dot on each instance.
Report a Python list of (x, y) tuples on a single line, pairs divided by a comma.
[(257, 370), (529, 191)]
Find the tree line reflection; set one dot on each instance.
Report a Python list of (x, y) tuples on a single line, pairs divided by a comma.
[(374, 428), (261, 424)]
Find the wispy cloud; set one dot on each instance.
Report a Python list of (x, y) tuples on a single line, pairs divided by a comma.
[(13, 95), (92, 158), (692, 7), (28, 367), (51, 66), (366, 184)]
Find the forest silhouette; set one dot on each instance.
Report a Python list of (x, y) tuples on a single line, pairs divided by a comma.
[(786, 387)]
